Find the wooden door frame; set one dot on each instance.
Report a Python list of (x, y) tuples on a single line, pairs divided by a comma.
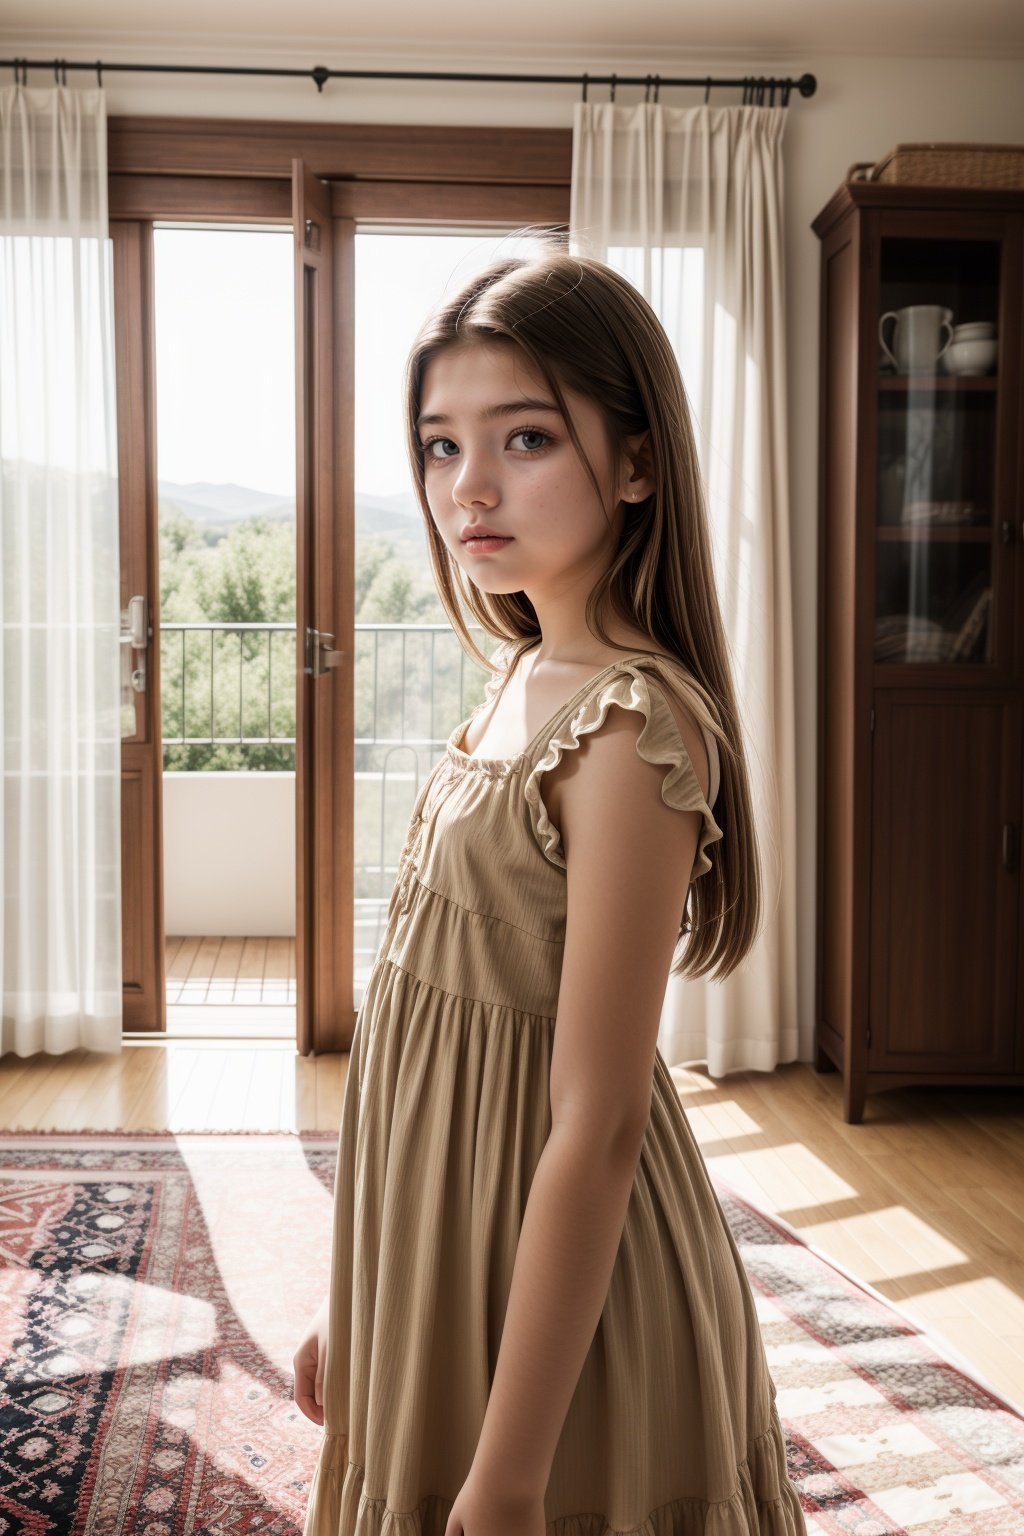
[(144, 992), (425, 153), (325, 556), (240, 171)]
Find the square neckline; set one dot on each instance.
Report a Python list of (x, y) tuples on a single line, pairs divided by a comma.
[(466, 759)]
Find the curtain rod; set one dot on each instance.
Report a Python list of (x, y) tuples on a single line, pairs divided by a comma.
[(754, 86)]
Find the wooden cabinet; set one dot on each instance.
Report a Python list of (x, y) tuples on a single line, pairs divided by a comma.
[(920, 639)]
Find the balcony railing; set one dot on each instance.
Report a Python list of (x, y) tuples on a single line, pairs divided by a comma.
[(413, 682), (194, 686), (180, 691)]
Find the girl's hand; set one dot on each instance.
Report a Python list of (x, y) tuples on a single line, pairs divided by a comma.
[(308, 1365), (475, 1513)]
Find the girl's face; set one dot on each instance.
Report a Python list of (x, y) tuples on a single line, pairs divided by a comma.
[(498, 457)]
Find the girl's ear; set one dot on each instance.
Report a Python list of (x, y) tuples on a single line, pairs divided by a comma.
[(637, 481)]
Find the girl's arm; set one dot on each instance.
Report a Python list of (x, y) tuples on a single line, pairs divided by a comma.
[(628, 861)]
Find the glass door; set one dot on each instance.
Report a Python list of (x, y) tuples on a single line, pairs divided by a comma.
[(225, 450), (943, 475), (413, 683)]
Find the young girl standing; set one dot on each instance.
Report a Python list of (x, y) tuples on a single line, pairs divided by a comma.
[(538, 1320)]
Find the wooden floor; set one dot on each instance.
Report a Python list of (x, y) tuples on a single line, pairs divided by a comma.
[(923, 1200), (207, 970)]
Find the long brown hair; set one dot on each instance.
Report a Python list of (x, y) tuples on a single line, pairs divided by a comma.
[(582, 325)]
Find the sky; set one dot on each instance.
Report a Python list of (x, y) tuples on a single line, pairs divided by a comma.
[(225, 349)]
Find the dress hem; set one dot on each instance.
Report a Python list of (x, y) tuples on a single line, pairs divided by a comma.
[(765, 1503)]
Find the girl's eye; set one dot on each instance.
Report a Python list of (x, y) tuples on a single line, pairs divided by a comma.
[(533, 432)]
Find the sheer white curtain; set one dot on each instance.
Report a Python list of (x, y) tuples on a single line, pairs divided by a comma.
[(60, 842), (687, 203)]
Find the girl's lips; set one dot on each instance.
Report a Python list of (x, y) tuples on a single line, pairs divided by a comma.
[(485, 543)]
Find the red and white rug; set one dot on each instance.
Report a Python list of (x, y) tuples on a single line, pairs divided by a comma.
[(153, 1288)]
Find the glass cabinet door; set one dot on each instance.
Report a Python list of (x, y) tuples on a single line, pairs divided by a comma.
[(939, 353)]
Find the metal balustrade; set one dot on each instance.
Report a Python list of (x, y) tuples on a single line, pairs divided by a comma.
[(413, 682), (435, 637)]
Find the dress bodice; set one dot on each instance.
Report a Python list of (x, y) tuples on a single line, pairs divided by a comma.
[(479, 905)]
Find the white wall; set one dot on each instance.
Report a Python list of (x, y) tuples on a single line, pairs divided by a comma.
[(865, 104), (229, 854)]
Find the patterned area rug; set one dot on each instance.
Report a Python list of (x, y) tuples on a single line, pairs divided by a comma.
[(153, 1289)]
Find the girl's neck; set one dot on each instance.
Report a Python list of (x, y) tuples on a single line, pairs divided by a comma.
[(589, 651)]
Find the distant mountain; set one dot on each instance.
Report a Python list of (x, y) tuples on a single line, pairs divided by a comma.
[(216, 509), (223, 506), (396, 516)]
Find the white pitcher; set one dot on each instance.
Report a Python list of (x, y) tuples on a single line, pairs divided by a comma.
[(916, 335)]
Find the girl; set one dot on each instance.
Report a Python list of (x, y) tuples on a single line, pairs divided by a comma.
[(538, 1320)]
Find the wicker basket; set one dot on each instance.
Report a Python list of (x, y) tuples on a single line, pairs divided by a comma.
[(946, 165)]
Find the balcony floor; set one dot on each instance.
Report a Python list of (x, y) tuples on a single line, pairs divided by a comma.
[(229, 985)]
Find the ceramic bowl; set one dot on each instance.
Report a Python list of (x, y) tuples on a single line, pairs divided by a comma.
[(975, 330), (967, 357)]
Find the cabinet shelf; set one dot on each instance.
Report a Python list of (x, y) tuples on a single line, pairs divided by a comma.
[(906, 383), (949, 533)]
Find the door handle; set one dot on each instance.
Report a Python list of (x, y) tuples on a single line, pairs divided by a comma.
[(137, 636), (320, 658)]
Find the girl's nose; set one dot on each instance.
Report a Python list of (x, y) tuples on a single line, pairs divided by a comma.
[(474, 485)]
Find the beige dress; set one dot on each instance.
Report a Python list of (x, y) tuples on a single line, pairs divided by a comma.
[(673, 1428)]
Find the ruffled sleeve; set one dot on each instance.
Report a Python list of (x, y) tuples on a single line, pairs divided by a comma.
[(659, 742)]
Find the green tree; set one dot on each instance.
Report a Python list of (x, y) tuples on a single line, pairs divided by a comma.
[(248, 577), (182, 551), (405, 684)]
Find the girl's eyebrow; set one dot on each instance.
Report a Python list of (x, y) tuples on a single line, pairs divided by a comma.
[(506, 408)]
